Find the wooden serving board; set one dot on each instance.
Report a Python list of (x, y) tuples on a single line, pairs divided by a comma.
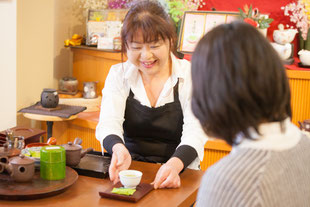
[(141, 190), (37, 188)]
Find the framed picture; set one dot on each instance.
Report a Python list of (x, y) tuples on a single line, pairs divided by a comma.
[(196, 24), (104, 24)]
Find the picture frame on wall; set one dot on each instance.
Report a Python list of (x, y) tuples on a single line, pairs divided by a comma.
[(196, 24), (104, 24)]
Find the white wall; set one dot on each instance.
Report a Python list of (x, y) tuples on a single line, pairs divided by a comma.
[(7, 64)]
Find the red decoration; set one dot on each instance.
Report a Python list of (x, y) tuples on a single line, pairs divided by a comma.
[(273, 8), (250, 21)]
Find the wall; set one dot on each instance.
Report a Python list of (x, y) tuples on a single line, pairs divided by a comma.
[(8, 63), (42, 27), (273, 8)]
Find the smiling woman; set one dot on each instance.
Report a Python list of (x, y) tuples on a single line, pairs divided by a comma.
[(147, 114)]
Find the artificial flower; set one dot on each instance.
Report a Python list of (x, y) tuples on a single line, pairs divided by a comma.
[(299, 14), (253, 17)]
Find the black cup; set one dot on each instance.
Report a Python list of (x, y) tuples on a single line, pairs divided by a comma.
[(49, 98)]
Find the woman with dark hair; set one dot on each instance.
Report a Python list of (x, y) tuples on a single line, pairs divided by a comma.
[(146, 112), (241, 95)]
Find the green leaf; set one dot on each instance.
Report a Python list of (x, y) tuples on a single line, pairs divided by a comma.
[(250, 12), (263, 25), (242, 14), (269, 20)]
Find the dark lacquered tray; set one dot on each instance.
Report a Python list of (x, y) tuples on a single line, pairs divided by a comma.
[(37, 188), (94, 165), (141, 190)]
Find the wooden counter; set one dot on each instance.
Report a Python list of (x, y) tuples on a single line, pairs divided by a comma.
[(90, 64), (85, 192)]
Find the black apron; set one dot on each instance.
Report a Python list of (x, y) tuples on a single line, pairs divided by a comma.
[(152, 134)]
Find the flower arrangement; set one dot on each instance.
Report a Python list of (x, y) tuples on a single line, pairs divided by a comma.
[(176, 8), (119, 4), (253, 17), (103, 4), (80, 7), (299, 13), (91, 4)]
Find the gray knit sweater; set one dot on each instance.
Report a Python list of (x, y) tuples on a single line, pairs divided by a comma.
[(260, 177)]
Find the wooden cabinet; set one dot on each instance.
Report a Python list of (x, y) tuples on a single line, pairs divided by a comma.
[(300, 94), (90, 64)]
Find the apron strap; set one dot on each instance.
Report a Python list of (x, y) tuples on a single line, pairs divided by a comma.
[(176, 91), (130, 93)]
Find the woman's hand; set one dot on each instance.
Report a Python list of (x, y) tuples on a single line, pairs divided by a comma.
[(168, 174), (121, 160)]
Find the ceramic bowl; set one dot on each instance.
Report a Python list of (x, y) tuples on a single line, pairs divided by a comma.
[(284, 51), (304, 56), (284, 36), (130, 178)]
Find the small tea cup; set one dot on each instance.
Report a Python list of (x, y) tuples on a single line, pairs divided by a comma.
[(130, 178)]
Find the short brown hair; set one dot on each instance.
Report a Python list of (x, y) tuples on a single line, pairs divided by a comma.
[(152, 19), (238, 82)]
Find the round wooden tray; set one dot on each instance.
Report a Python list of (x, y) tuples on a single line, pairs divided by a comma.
[(37, 188)]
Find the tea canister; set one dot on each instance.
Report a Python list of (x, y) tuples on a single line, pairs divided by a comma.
[(53, 162), (90, 89)]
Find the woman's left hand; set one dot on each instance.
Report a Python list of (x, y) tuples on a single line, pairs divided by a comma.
[(168, 174)]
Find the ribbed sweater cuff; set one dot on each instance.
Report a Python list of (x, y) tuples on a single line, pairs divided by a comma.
[(110, 141), (186, 154)]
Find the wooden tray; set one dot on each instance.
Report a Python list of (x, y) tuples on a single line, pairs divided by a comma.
[(141, 190), (37, 188)]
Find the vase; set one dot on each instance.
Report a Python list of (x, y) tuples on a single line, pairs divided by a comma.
[(304, 44), (263, 31)]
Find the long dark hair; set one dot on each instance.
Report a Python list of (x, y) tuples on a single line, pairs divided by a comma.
[(238, 82), (151, 18)]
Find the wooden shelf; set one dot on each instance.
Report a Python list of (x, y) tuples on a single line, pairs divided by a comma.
[(87, 120)]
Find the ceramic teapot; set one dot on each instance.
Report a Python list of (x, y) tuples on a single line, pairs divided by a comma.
[(20, 168), (305, 125), (74, 152), (304, 56), (284, 51), (283, 36), (68, 84)]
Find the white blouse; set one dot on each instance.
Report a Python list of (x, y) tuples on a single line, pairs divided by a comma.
[(125, 76)]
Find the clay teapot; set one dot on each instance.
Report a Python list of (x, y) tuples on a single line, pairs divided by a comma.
[(74, 152), (305, 125), (20, 168)]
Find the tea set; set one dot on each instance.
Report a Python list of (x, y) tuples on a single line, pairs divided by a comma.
[(52, 158), (283, 46), (285, 49)]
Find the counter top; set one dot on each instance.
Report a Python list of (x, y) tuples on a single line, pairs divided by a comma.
[(85, 192)]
